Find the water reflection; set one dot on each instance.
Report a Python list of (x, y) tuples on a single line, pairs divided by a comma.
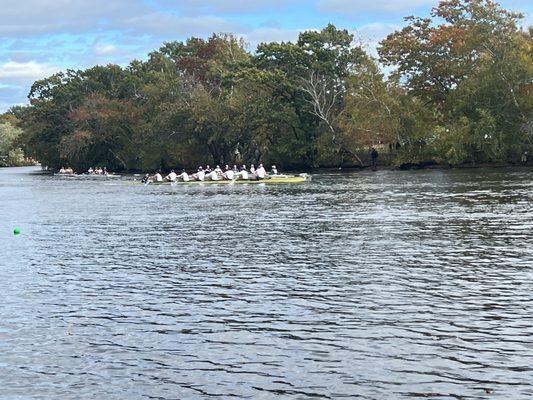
[(383, 285)]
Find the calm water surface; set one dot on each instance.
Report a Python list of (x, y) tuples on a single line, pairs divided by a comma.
[(367, 285)]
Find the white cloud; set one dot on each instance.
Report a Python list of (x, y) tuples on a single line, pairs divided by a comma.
[(17, 77), (261, 35), (105, 49), (29, 18), (195, 7), (354, 7), (167, 25), (371, 34), (20, 18), (14, 72)]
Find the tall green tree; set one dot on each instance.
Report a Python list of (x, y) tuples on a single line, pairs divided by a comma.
[(316, 69), (469, 62), (10, 153)]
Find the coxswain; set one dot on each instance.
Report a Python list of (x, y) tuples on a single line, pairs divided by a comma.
[(105, 171), (274, 170), (158, 177), (146, 178), (260, 173), (235, 169), (172, 176), (184, 176), (244, 172), (229, 174)]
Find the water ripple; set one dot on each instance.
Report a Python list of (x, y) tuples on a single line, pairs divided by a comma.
[(370, 285)]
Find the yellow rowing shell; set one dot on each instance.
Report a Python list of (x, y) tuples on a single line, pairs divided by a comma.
[(273, 180)]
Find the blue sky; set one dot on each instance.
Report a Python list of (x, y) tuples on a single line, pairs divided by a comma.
[(41, 37)]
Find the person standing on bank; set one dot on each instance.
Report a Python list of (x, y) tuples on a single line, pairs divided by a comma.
[(374, 155)]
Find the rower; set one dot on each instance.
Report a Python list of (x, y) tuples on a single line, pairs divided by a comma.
[(235, 169), (274, 170), (260, 173), (184, 176), (229, 174), (252, 169), (200, 175), (146, 178), (214, 176), (172, 176), (62, 170), (90, 170), (244, 172), (218, 170), (207, 169), (105, 171), (158, 177)]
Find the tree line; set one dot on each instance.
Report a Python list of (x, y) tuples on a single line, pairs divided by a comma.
[(457, 89), (11, 153)]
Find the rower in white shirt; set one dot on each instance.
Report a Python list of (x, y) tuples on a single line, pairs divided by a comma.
[(184, 176), (244, 172), (158, 177), (260, 173), (214, 176), (200, 175), (172, 176), (229, 174)]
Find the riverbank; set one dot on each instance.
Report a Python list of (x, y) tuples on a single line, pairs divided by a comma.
[(426, 166)]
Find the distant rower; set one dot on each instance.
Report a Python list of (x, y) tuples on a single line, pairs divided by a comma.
[(172, 176), (229, 174), (260, 173), (184, 176), (244, 172), (214, 176), (200, 174)]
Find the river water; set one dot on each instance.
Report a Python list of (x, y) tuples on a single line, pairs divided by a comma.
[(360, 285)]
